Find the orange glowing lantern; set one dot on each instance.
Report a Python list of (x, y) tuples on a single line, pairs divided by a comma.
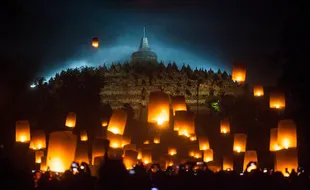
[(115, 140), (104, 123), (139, 157), (208, 155), (287, 137), (43, 166), (184, 123), (81, 153), (178, 104), (273, 144), (95, 42), (61, 150), (22, 131), (249, 156), (38, 156), (240, 142), (228, 163), (193, 137), (258, 90), (147, 156), (168, 163), (172, 151), (146, 142), (38, 140), (277, 100), (239, 73), (130, 159), (203, 143), (286, 160), (126, 141), (83, 136), (195, 153), (118, 122), (159, 108), (71, 120), (98, 149), (225, 126), (156, 140)]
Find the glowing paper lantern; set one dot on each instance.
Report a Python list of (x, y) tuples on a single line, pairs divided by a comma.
[(208, 155), (126, 141), (172, 151), (249, 156), (277, 100), (193, 137), (258, 90), (38, 156), (130, 159), (239, 73), (43, 166), (115, 140), (61, 150), (81, 153), (118, 122), (83, 136), (168, 163), (71, 120), (104, 123), (286, 159), (98, 148), (287, 137), (273, 144), (146, 142), (203, 143), (95, 42), (178, 104), (22, 131), (240, 142), (38, 140), (139, 157), (147, 156), (228, 163), (156, 140), (225, 126), (159, 108), (184, 123)]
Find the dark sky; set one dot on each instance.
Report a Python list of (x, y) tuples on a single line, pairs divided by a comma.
[(46, 36)]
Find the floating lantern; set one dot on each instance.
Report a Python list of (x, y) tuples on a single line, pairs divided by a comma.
[(38, 140), (208, 155), (156, 140), (118, 122), (146, 156), (61, 150), (146, 142), (178, 104), (126, 141), (22, 131), (203, 143), (193, 137), (43, 166), (286, 160), (228, 163), (195, 153), (287, 137), (168, 163), (273, 144), (225, 126), (184, 123), (159, 108), (104, 123), (98, 149), (249, 156), (239, 73), (81, 153), (258, 90), (240, 142), (172, 151), (38, 156), (83, 136), (115, 140), (277, 100), (130, 159), (139, 157), (71, 120), (95, 42)]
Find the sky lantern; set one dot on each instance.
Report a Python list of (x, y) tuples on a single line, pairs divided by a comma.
[(95, 42), (258, 90), (195, 153), (146, 142), (71, 120), (286, 159), (104, 123), (81, 153), (168, 163), (228, 163), (146, 156), (208, 155), (83, 136), (156, 140), (159, 108), (38, 156), (184, 123), (203, 143), (115, 140), (172, 151), (225, 126), (98, 149), (38, 140), (193, 137), (273, 143), (139, 157), (239, 73), (118, 122), (240, 142), (130, 159), (126, 141), (277, 100), (178, 104), (22, 133), (43, 166), (249, 156), (287, 137), (61, 150)]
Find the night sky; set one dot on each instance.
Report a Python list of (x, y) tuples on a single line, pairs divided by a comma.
[(47, 36)]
